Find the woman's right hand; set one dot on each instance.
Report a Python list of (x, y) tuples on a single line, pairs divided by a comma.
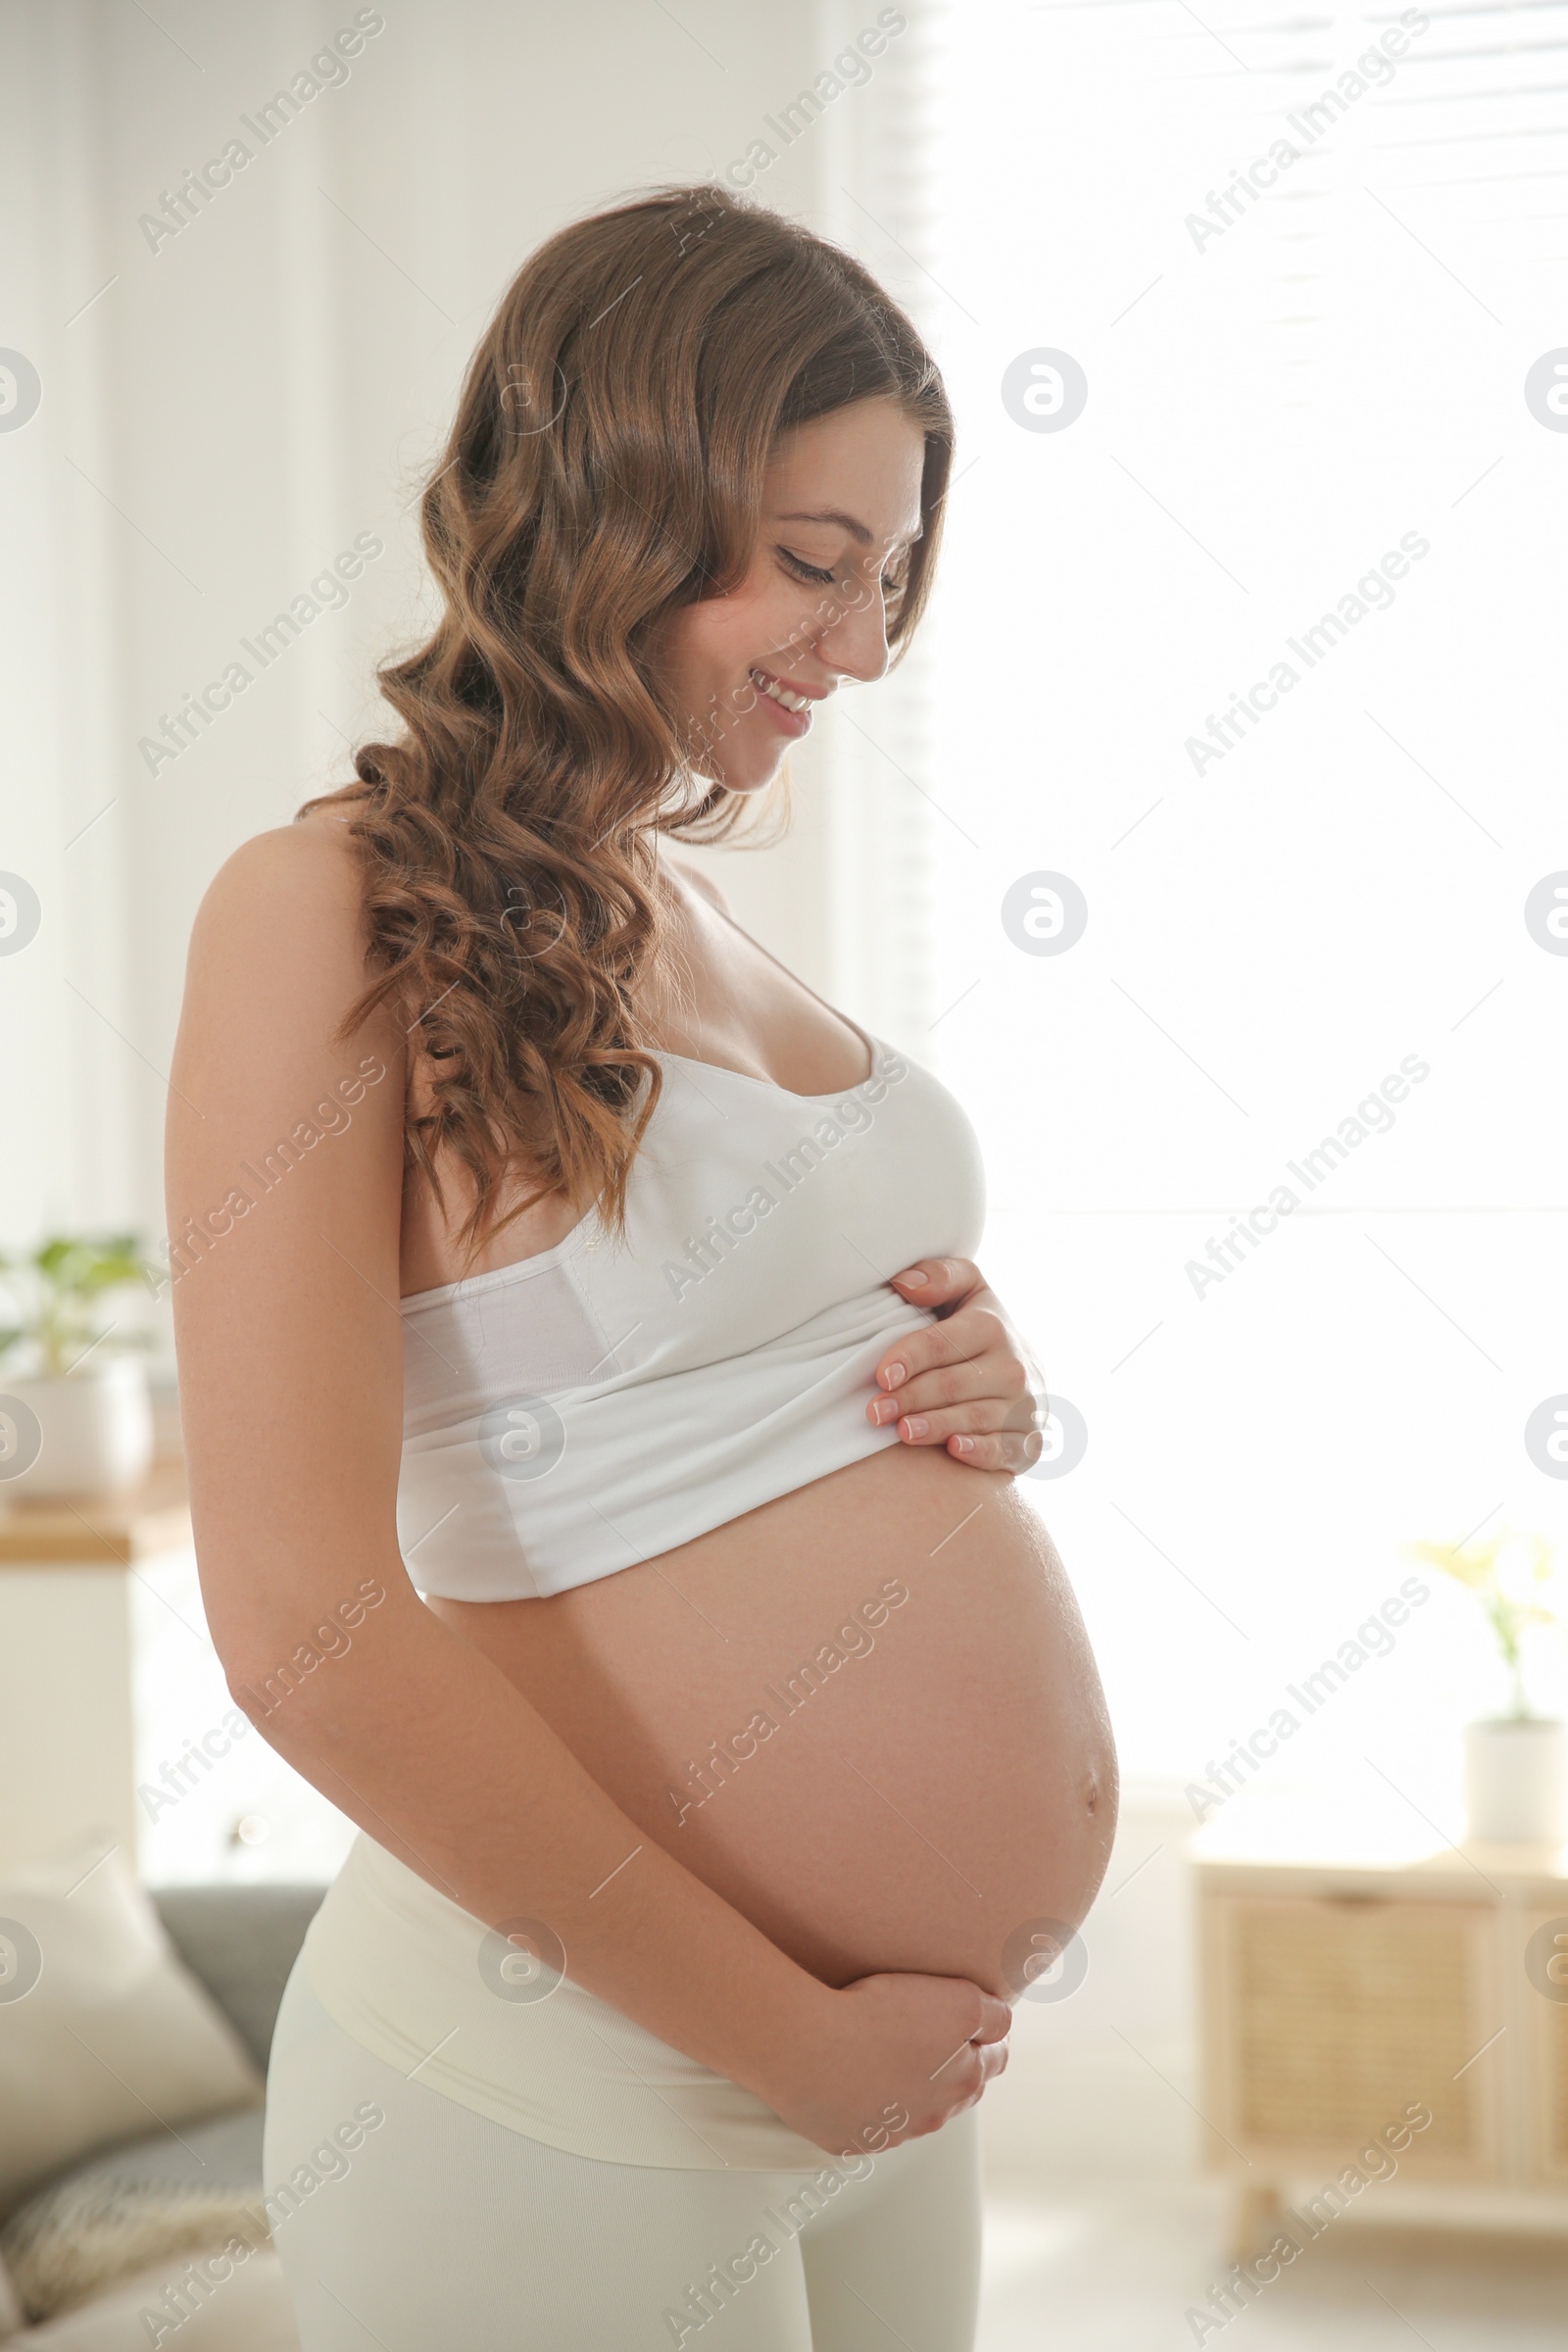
[(891, 2057)]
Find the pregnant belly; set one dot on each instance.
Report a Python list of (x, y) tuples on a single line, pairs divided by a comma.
[(865, 1714)]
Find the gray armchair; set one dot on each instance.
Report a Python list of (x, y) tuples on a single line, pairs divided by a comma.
[(241, 1942)]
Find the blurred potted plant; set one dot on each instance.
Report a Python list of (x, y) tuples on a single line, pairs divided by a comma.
[(76, 1418), (1516, 1765)]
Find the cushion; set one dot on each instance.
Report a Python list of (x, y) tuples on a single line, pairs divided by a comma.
[(104, 2031)]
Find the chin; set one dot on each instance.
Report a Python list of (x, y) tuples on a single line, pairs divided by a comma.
[(750, 779)]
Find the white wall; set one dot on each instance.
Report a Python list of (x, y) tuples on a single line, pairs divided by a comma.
[(237, 405), (223, 409)]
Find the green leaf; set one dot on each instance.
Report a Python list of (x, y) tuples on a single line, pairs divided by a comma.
[(50, 1293)]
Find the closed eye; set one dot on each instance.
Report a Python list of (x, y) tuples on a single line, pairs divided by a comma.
[(806, 571), (893, 585)]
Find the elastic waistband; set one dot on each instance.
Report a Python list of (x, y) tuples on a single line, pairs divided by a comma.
[(426, 1987)]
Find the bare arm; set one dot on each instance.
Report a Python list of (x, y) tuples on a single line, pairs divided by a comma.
[(286, 1151)]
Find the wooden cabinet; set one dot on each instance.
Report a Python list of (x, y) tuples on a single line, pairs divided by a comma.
[(67, 1735), (1341, 1995), (1547, 2047)]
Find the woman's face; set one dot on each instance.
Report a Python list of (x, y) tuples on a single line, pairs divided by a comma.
[(841, 507)]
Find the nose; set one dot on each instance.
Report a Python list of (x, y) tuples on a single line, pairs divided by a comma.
[(854, 639)]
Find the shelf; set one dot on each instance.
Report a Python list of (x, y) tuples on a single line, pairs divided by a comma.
[(155, 1517)]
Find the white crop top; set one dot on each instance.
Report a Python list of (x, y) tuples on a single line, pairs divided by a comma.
[(605, 1400)]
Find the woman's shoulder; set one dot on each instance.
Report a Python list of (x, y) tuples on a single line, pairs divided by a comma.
[(295, 887), (280, 930)]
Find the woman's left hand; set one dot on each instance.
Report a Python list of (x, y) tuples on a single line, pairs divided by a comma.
[(963, 1382)]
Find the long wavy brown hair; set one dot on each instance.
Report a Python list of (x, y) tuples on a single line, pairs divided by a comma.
[(605, 468)]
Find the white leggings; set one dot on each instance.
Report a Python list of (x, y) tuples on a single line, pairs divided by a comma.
[(438, 2226)]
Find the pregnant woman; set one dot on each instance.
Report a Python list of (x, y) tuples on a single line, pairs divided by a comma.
[(601, 1442)]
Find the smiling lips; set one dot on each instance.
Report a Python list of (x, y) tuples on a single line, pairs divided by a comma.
[(792, 707)]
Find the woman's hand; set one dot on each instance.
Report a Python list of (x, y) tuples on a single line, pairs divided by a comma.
[(889, 2058), (964, 1382)]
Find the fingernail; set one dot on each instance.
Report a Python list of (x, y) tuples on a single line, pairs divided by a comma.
[(895, 1375), (963, 1444), (915, 1280), (916, 1428)]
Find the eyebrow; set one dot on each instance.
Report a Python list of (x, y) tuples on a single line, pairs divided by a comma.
[(845, 522)]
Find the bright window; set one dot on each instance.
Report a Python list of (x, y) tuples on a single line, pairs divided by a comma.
[(1262, 651)]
